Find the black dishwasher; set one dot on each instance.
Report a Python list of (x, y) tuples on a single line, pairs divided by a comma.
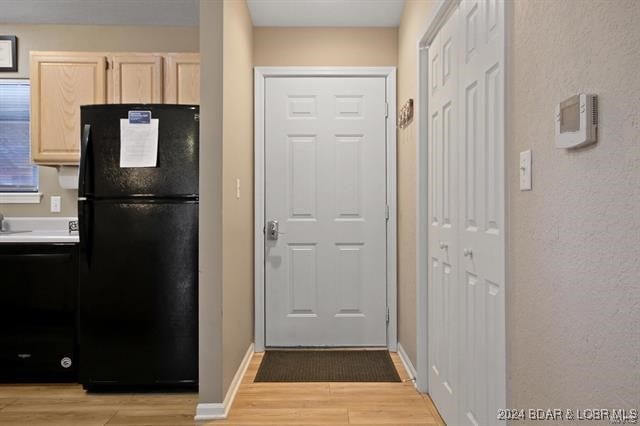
[(38, 305)]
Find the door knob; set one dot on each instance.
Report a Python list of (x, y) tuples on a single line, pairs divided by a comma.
[(467, 252), (443, 245), (273, 230)]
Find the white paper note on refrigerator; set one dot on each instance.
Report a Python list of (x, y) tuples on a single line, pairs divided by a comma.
[(138, 144)]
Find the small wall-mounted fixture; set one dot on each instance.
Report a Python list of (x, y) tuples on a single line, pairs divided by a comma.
[(406, 114), (577, 121), (68, 177)]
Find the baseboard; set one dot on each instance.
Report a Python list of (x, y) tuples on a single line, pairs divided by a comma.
[(220, 410), (406, 362)]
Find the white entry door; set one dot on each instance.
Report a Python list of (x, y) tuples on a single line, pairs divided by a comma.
[(325, 185)]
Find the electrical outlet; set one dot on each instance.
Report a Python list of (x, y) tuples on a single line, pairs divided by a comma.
[(525, 170), (56, 204)]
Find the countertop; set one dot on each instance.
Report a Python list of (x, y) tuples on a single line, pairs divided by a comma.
[(43, 230)]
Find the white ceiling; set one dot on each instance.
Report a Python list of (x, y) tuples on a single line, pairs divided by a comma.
[(294, 13), (326, 13), (101, 12)]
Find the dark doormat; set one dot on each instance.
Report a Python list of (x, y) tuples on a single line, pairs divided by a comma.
[(327, 366)]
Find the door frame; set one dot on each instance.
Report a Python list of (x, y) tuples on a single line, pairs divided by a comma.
[(435, 22), (260, 76)]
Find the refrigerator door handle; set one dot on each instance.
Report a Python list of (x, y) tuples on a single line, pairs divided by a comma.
[(86, 137), (85, 223)]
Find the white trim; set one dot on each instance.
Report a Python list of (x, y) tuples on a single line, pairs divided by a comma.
[(220, 410), (264, 72), (392, 227), (422, 231), (258, 205), (20, 197), (508, 19), (437, 19), (260, 74), (406, 362)]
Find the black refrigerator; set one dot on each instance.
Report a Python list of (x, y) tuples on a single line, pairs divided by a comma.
[(138, 292)]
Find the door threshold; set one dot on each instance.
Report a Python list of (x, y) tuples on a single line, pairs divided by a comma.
[(327, 348)]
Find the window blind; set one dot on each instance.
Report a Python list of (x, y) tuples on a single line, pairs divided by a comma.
[(17, 174)]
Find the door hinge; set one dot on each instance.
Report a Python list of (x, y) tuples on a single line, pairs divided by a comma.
[(386, 213), (386, 109), (387, 315)]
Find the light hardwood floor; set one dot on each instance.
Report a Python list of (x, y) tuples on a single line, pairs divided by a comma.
[(255, 403)]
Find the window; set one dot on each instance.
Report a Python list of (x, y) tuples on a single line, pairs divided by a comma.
[(17, 174)]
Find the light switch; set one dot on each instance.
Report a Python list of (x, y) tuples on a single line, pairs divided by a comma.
[(56, 204), (238, 188), (525, 170)]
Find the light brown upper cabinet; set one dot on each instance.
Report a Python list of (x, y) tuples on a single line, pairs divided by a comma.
[(60, 83), (136, 78), (182, 78), (63, 81)]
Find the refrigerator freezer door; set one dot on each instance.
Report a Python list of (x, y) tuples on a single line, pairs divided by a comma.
[(176, 173), (138, 293)]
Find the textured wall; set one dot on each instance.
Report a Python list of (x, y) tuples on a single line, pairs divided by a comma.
[(237, 214), (282, 46), (414, 18), (112, 38), (210, 253), (574, 297)]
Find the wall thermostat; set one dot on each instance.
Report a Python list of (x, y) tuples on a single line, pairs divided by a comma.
[(577, 121)]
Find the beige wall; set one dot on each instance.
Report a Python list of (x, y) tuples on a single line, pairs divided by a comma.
[(414, 18), (49, 186), (226, 222), (573, 298), (237, 214), (210, 250), (282, 46), (85, 38)]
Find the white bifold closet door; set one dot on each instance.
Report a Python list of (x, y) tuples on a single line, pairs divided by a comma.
[(444, 261), (467, 242)]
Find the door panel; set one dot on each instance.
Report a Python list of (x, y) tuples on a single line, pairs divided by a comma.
[(182, 78), (176, 173), (138, 292), (444, 291), (482, 238), (137, 79), (326, 186), (60, 84)]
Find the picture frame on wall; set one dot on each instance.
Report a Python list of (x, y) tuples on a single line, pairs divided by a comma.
[(8, 53)]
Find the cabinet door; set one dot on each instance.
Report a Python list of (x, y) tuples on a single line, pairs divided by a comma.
[(136, 78), (182, 78), (60, 83)]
